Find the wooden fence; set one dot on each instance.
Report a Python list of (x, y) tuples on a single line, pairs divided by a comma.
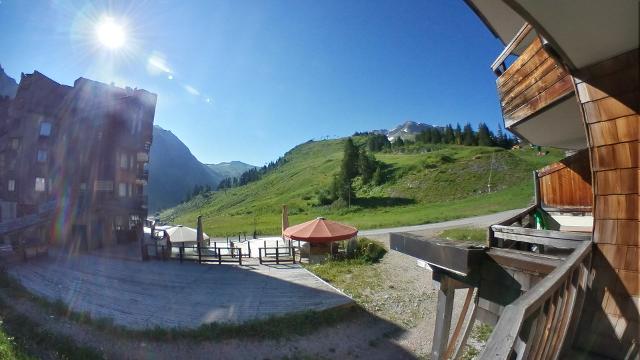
[(540, 323)]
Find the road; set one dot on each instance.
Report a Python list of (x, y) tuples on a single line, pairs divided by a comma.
[(476, 221)]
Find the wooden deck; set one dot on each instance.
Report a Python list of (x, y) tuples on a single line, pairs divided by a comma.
[(170, 294)]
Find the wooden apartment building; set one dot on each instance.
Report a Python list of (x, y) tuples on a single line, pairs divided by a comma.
[(562, 279), (73, 162)]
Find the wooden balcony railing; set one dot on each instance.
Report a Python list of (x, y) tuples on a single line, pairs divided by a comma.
[(532, 82), (541, 323)]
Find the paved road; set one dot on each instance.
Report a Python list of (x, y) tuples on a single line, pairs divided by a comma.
[(476, 221)]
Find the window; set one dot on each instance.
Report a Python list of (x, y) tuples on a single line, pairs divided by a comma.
[(42, 155), (130, 190), (40, 184), (83, 186), (122, 189), (12, 185), (45, 128), (124, 161), (15, 143)]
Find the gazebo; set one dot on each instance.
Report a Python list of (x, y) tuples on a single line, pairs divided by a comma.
[(320, 234)]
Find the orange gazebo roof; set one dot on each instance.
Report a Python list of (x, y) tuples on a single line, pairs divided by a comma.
[(320, 230)]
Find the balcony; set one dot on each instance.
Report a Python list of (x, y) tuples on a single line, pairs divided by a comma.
[(142, 156), (528, 283), (537, 94)]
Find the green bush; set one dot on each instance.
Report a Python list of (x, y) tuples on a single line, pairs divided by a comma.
[(369, 250)]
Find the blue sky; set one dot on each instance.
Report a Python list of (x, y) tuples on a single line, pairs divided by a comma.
[(248, 80)]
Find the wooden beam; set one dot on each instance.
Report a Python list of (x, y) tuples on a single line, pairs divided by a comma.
[(517, 39), (446, 295)]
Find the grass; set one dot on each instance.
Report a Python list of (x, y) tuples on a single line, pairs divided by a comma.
[(9, 348), (355, 277), (476, 235), (430, 184), (275, 327), (28, 340)]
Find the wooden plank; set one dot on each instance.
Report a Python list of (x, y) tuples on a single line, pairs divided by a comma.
[(611, 107), (524, 262), (552, 234), (507, 95), (504, 335), (531, 52), (511, 46), (537, 88), (467, 331), (459, 323), (444, 307), (556, 92)]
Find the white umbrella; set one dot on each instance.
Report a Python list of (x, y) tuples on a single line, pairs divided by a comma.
[(184, 234)]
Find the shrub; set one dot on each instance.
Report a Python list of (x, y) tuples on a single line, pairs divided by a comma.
[(324, 198), (365, 249), (371, 251), (339, 204)]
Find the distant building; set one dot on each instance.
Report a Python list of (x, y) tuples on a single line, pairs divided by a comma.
[(83, 150)]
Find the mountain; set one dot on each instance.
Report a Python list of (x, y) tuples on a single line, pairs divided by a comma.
[(174, 171), (230, 169), (424, 183), (408, 130), (8, 85)]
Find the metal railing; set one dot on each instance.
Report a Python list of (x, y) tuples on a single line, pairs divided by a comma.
[(200, 254), (277, 255)]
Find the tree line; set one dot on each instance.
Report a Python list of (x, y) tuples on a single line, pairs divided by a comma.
[(448, 134), (251, 175)]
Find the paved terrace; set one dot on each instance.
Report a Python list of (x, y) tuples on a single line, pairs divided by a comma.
[(169, 294)]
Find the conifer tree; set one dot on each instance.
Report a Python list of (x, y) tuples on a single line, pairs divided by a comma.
[(468, 136)]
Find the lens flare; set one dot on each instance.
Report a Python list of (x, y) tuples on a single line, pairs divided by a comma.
[(110, 34)]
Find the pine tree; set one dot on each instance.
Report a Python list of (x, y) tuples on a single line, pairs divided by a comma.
[(366, 166), (436, 135), (457, 134), (349, 168), (468, 136), (448, 137), (485, 137), (378, 175)]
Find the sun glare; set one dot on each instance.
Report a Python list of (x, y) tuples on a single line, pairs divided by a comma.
[(110, 34)]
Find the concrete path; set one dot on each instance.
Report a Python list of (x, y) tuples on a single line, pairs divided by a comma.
[(169, 294), (476, 221)]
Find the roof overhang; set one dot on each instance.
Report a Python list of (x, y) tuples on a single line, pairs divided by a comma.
[(581, 32), (501, 20)]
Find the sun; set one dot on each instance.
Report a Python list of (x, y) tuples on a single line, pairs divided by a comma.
[(110, 33)]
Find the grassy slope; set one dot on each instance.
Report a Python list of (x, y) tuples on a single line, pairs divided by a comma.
[(445, 183)]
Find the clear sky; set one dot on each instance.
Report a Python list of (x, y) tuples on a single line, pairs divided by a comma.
[(248, 80)]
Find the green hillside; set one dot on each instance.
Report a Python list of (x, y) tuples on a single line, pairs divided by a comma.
[(427, 183)]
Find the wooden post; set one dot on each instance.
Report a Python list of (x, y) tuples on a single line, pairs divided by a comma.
[(239, 256), (277, 258), (456, 331), (536, 187), (219, 258), (446, 293), (466, 332), (181, 250), (260, 255), (293, 253), (249, 247)]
